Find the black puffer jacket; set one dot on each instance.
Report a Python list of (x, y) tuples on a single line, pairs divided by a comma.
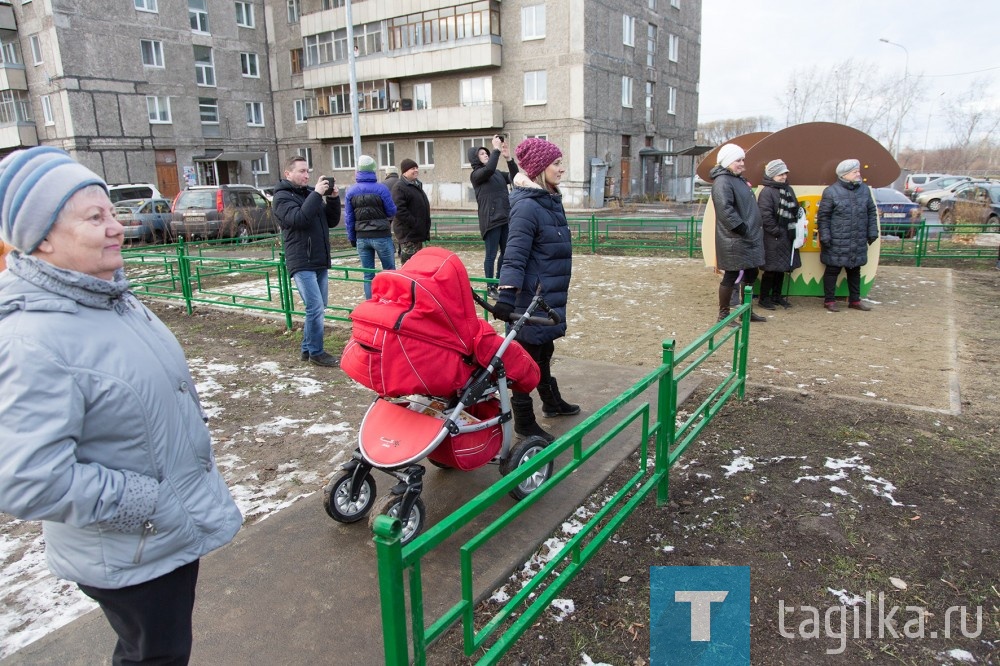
[(779, 209), (413, 212), (305, 222), (847, 219), (539, 250), (735, 204), (492, 189)]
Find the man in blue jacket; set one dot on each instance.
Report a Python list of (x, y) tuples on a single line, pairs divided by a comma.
[(368, 216), (306, 216)]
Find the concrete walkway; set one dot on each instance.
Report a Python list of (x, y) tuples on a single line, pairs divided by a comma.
[(300, 588)]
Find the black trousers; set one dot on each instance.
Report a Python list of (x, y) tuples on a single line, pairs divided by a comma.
[(152, 619), (543, 357), (830, 276)]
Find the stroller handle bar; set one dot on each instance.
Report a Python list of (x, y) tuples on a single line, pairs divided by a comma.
[(527, 317)]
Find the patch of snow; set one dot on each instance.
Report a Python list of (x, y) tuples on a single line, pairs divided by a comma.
[(501, 596), (846, 598), (562, 609), (739, 464), (960, 655), (585, 660)]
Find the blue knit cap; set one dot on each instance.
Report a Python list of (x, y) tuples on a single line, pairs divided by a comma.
[(35, 184)]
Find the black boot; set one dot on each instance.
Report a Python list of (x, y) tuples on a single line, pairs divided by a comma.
[(552, 402), (725, 302), (525, 424), (736, 297)]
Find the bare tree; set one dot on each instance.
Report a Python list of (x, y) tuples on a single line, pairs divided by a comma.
[(717, 132)]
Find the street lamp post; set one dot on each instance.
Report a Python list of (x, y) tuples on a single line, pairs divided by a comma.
[(906, 73)]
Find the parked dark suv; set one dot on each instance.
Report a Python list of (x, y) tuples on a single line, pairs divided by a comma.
[(221, 211)]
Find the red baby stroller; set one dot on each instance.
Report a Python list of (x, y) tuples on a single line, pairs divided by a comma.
[(441, 374)]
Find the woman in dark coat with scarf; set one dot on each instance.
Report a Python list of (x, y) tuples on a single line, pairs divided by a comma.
[(539, 251), (779, 210)]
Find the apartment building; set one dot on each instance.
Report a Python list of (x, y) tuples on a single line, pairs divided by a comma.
[(181, 92)]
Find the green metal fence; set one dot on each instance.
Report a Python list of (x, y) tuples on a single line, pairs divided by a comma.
[(629, 417)]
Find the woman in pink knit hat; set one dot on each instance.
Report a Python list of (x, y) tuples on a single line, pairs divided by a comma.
[(539, 252)]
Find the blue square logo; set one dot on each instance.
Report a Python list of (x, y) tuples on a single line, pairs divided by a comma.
[(699, 616)]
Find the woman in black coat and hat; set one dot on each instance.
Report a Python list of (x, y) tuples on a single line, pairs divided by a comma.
[(779, 210)]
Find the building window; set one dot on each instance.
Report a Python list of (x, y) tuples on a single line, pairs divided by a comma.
[(649, 101), (447, 24), (15, 107), (248, 64), (146, 5), (544, 137), (627, 91), (158, 109), (244, 17), (675, 3), (533, 22), (198, 15), (261, 166), (534, 87), (204, 66), (296, 59), (652, 4), (669, 159), (673, 50), (467, 144), (255, 114), (672, 100), (386, 154), (650, 45), (300, 111), (152, 53), (208, 108), (628, 30), (47, 110), (473, 92), (307, 154), (425, 153), (336, 100), (319, 48), (293, 11), (367, 39), (343, 156), (36, 50), (422, 96), (10, 53)]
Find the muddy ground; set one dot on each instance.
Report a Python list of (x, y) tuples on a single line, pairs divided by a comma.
[(904, 394)]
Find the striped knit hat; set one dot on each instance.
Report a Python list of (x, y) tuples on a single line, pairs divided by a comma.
[(35, 184)]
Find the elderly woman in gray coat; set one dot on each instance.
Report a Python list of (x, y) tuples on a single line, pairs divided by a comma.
[(847, 220), (103, 438), (739, 236)]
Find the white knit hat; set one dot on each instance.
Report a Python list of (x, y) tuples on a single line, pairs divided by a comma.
[(729, 153)]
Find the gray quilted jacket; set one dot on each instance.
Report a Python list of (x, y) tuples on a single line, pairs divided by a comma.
[(736, 204), (103, 438), (847, 218)]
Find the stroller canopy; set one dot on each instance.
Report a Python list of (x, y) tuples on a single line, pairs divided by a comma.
[(421, 332)]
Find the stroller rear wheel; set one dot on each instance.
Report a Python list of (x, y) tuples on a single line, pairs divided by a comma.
[(337, 498), (413, 524), (520, 454)]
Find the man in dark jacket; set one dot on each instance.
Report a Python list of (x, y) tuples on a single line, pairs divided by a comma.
[(367, 216), (306, 216), (739, 236), (412, 226), (493, 197), (847, 220)]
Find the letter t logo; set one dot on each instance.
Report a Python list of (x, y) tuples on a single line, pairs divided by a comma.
[(701, 610)]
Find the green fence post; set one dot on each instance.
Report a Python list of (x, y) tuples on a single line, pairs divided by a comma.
[(744, 344), (592, 231), (921, 241), (184, 268), (666, 413), (285, 290), (389, 551)]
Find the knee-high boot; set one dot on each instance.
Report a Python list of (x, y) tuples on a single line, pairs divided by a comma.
[(736, 297), (525, 424), (552, 402), (725, 302)]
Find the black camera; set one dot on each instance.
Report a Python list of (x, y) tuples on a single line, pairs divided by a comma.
[(500, 136)]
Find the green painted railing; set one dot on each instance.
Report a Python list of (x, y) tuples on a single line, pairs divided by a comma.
[(628, 417)]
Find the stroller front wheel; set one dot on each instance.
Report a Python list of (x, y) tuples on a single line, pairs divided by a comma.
[(337, 498), (413, 524), (520, 454)]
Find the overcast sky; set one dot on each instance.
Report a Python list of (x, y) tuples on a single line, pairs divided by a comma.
[(750, 48)]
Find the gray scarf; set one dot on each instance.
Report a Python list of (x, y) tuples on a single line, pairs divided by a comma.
[(85, 289)]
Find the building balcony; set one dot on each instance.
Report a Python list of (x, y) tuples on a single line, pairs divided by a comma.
[(12, 77), (430, 60), (440, 119), (18, 135)]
